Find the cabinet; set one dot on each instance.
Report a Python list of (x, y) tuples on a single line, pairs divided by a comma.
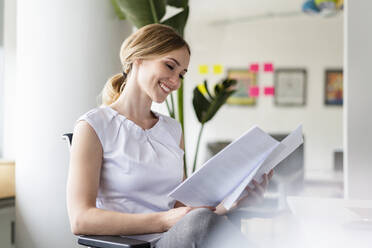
[(7, 220), (7, 209), (7, 178)]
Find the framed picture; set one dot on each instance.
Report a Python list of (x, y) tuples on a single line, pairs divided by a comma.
[(333, 87), (245, 80), (290, 87)]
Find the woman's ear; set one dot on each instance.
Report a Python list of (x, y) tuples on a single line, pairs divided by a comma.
[(137, 62)]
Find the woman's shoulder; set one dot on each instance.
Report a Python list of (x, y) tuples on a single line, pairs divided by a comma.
[(98, 118), (101, 112)]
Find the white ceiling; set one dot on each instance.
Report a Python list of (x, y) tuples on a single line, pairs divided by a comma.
[(220, 10)]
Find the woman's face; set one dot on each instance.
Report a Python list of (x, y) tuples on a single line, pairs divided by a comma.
[(159, 76)]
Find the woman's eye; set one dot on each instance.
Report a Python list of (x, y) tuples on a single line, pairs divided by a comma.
[(170, 67)]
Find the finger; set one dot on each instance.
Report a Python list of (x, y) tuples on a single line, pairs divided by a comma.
[(271, 173), (258, 188), (256, 196), (265, 181), (188, 209), (209, 207)]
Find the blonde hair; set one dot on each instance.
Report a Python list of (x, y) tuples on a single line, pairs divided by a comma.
[(147, 42)]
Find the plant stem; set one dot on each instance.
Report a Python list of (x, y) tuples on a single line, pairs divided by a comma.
[(171, 112), (180, 119), (197, 147), (173, 108), (156, 20)]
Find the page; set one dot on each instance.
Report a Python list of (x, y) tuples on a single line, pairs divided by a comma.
[(221, 174), (230, 200), (286, 147)]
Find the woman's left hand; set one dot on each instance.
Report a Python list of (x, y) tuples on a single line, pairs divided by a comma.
[(255, 195), (252, 196)]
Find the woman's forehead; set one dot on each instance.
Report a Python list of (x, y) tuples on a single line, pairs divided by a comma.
[(180, 56)]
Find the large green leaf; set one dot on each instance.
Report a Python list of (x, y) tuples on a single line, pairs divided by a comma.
[(178, 21), (206, 88), (206, 109), (216, 105), (118, 10), (201, 104), (178, 3), (142, 12)]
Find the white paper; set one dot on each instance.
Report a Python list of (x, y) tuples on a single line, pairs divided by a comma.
[(225, 176), (224, 172), (230, 200), (286, 147)]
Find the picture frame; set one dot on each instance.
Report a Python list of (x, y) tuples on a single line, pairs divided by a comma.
[(245, 80), (333, 88), (290, 86)]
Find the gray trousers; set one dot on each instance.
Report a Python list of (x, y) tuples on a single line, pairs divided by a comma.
[(203, 228)]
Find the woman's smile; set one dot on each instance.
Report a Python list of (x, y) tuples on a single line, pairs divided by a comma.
[(164, 87)]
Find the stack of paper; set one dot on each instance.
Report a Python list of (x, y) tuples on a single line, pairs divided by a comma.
[(225, 176)]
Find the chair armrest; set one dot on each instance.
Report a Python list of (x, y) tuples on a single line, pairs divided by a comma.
[(111, 242)]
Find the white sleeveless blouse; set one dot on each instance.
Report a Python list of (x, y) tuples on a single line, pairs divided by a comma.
[(140, 167)]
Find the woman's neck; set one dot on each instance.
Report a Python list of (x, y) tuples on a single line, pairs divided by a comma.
[(134, 104)]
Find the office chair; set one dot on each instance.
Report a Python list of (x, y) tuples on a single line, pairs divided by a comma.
[(103, 241)]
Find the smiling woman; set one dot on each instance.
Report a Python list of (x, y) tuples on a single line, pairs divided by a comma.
[(125, 158)]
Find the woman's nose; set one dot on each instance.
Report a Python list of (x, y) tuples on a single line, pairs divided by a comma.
[(175, 80)]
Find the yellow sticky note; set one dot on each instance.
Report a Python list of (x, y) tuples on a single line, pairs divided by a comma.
[(203, 69), (217, 69)]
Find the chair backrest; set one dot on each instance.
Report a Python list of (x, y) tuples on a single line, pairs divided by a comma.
[(68, 138)]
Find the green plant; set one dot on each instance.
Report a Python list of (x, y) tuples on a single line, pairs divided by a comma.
[(143, 12), (206, 105)]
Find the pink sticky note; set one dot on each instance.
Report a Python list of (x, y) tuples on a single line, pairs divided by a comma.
[(254, 91), (269, 91), (268, 67), (254, 67)]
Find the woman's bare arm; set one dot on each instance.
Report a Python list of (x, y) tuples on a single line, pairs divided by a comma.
[(82, 187)]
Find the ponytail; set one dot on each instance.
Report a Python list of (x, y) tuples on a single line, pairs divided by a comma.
[(113, 88)]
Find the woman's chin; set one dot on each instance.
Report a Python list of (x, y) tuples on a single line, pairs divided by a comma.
[(159, 99)]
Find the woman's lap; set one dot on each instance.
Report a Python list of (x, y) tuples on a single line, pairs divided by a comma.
[(203, 228)]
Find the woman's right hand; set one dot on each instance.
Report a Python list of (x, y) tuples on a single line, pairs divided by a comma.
[(172, 216)]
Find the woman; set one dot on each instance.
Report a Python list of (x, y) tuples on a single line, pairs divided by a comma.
[(125, 158)]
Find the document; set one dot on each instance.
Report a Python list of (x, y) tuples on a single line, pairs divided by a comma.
[(224, 177)]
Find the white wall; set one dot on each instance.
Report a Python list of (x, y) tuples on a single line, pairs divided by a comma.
[(10, 75), (314, 43), (358, 118), (1, 100), (1, 75), (66, 50)]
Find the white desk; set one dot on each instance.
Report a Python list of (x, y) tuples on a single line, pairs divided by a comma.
[(316, 223)]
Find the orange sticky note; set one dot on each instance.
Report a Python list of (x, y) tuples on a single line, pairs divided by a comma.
[(254, 67), (269, 91), (268, 67), (217, 69), (254, 91), (203, 69)]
